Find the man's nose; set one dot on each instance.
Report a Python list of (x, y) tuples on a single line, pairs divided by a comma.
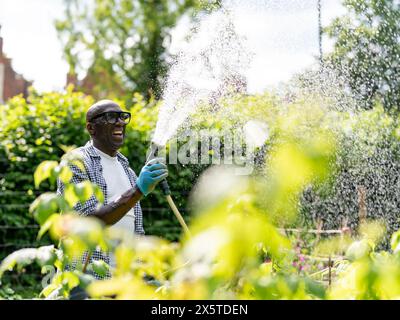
[(120, 122)]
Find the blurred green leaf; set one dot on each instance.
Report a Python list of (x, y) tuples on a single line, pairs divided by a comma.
[(65, 174), (84, 190), (358, 250), (46, 255), (100, 267), (395, 242), (70, 195), (44, 171), (47, 225), (44, 206), (43, 256), (19, 258)]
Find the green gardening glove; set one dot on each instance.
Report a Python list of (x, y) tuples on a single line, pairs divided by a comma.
[(151, 174)]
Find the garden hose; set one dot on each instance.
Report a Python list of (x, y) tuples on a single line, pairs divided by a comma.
[(154, 151)]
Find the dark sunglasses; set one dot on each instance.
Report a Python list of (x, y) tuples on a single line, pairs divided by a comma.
[(112, 117)]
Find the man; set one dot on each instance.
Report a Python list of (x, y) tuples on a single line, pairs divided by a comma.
[(109, 169)]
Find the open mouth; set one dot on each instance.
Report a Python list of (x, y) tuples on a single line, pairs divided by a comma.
[(118, 133)]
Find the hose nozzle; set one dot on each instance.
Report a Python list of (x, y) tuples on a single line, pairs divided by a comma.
[(156, 151)]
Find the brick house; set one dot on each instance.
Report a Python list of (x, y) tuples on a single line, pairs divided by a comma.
[(11, 83)]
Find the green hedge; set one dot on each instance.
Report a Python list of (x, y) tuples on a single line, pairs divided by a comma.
[(39, 128), (368, 155), (33, 130)]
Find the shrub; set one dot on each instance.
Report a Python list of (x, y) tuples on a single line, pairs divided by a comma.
[(33, 130), (222, 259), (310, 164)]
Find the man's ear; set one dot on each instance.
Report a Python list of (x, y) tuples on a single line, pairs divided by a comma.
[(90, 128)]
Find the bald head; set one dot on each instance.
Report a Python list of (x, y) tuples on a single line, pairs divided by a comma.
[(108, 136), (100, 107)]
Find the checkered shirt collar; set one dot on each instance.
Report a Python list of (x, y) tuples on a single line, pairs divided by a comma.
[(93, 152)]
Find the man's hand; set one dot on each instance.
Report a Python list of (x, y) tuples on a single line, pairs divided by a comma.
[(151, 174)]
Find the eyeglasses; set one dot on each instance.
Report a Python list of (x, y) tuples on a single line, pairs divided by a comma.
[(112, 117)]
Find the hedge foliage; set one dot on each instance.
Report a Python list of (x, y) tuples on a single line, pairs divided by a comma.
[(367, 156), (43, 126), (235, 250), (33, 130)]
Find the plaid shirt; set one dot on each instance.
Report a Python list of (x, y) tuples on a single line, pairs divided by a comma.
[(92, 162)]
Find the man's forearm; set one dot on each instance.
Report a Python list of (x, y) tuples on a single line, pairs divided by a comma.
[(114, 211)]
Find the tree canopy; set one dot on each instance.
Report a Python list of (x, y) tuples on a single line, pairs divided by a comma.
[(121, 45), (367, 48)]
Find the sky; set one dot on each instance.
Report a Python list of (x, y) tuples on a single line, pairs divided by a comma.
[(281, 34)]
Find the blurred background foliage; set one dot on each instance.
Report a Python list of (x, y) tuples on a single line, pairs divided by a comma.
[(309, 169), (230, 237), (237, 248), (367, 50)]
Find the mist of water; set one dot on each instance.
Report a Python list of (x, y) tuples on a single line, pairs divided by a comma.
[(216, 58)]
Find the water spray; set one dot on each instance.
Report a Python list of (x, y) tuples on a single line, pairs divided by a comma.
[(154, 152)]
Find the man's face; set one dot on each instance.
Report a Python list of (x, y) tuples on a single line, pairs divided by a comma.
[(108, 135)]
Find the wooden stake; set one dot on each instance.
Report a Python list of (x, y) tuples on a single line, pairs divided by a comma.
[(330, 271), (362, 207), (345, 228), (319, 228)]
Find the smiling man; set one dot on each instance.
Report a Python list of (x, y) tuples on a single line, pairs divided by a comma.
[(110, 170)]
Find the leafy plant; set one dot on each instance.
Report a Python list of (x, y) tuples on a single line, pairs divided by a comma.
[(366, 49)]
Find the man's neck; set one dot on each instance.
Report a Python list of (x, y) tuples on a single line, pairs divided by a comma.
[(111, 153)]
